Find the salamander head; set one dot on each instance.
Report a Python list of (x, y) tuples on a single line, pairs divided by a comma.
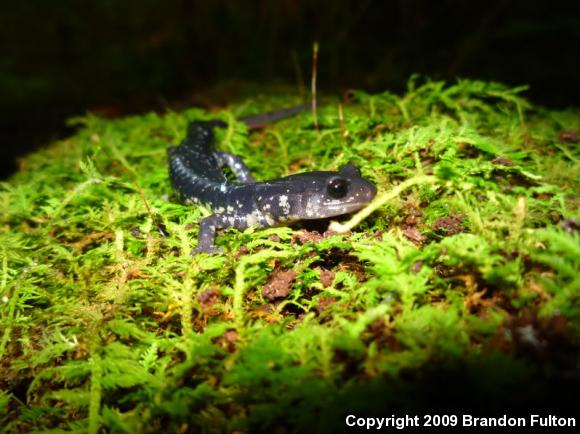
[(338, 193), (316, 195)]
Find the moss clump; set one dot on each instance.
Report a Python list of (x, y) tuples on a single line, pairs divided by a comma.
[(464, 290)]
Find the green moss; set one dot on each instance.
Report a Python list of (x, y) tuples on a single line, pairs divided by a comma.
[(471, 268)]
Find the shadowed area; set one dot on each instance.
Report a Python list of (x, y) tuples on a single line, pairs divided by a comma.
[(64, 58)]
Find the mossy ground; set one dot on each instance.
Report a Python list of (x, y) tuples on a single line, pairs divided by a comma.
[(463, 292)]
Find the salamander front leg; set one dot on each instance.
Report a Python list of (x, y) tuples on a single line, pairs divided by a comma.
[(207, 230)]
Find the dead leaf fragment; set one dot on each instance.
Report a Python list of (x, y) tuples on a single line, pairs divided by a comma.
[(279, 284)]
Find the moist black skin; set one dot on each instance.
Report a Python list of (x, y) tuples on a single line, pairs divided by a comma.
[(196, 173)]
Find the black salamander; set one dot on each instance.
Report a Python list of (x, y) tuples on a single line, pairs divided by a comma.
[(196, 173)]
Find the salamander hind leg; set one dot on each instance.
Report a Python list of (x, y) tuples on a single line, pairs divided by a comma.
[(236, 165), (207, 230)]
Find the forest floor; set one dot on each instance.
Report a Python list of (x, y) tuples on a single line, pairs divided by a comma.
[(460, 293)]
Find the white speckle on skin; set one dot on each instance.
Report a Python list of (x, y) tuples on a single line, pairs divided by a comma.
[(223, 188), (230, 209), (253, 219), (283, 203), (269, 219)]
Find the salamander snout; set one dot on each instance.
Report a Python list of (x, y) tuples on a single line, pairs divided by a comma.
[(358, 187), (361, 191), (369, 191)]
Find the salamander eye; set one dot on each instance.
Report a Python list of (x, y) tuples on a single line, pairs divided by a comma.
[(337, 188)]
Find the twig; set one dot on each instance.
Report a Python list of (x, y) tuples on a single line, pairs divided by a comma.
[(379, 202), (343, 131), (313, 83)]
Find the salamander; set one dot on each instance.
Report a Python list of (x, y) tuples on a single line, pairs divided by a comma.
[(197, 176)]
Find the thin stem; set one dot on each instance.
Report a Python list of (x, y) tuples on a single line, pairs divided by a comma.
[(379, 201)]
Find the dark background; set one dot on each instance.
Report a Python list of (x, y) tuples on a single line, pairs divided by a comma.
[(113, 57)]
